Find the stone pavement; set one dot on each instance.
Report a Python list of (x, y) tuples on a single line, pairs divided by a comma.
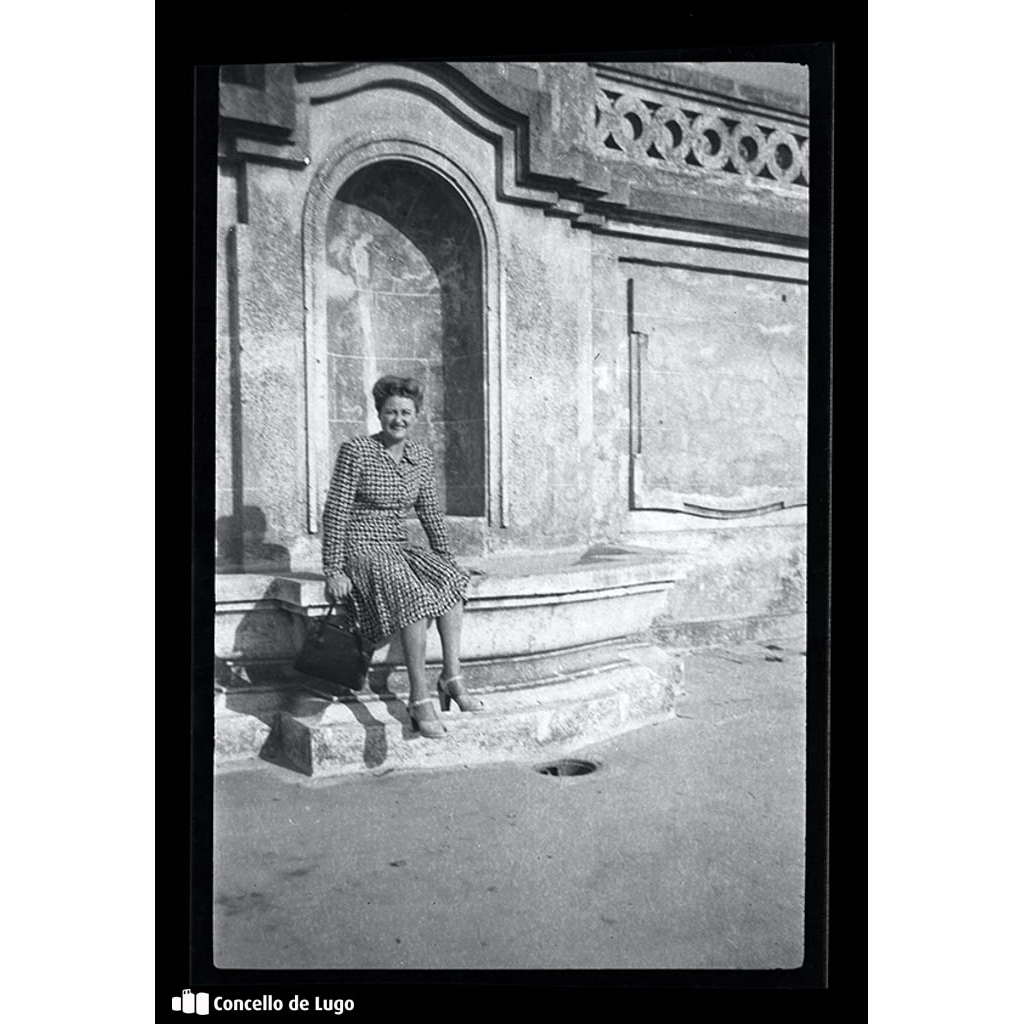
[(684, 849)]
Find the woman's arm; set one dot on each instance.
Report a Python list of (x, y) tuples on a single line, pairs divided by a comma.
[(340, 497), (428, 508)]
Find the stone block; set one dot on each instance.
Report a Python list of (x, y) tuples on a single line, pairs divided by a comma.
[(270, 274), (272, 389), (238, 736)]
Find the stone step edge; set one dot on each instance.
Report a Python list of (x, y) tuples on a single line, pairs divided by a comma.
[(238, 736), (452, 756), (523, 733), (633, 647), (556, 691), (560, 686), (233, 728)]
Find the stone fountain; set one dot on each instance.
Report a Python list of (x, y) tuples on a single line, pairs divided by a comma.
[(555, 644)]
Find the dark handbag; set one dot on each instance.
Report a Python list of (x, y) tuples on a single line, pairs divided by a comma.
[(334, 652)]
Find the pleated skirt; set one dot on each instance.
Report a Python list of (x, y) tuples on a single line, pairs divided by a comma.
[(397, 584)]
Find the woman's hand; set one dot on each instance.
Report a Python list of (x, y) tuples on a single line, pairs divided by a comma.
[(339, 587)]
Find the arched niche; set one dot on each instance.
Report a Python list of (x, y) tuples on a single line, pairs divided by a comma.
[(402, 277), (404, 295)]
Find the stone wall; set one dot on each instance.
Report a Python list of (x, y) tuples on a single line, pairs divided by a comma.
[(599, 270)]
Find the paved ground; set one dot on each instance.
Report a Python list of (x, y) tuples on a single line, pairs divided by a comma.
[(683, 850)]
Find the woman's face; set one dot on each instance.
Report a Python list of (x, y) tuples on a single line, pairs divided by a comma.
[(397, 417)]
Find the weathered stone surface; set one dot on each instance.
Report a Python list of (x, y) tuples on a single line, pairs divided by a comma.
[(330, 739), (695, 636), (258, 95), (549, 412), (256, 628), (526, 670), (727, 572), (527, 605), (238, 736), (523, 606), (561, 114), (577, 612)]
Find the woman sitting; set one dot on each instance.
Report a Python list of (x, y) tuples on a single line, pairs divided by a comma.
[(396, 586)]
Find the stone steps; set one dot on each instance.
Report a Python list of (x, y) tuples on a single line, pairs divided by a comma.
[(695, 636), (372, 732), (238, 737)]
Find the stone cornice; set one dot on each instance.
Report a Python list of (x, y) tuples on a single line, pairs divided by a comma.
[(714, 88), (262, 121), (745, 186)]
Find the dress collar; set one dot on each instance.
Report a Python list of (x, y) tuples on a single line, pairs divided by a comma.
[(410, 453)]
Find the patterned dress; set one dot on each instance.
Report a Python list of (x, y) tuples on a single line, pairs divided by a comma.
[(395, 583)]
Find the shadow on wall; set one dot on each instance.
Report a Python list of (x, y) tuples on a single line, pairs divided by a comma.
[(266, 641), (241, 546), (259, 679)]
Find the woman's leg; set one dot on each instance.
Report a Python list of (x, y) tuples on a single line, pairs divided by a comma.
[(425, 717), (449, 626), (414, 643)]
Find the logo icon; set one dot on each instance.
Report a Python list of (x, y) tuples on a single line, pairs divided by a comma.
[(189, 1002)]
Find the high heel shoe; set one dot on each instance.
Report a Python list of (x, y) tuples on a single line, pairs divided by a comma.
[(452, 689), (431, 728)]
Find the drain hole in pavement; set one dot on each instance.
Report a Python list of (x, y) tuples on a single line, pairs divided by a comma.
[(568, 766)]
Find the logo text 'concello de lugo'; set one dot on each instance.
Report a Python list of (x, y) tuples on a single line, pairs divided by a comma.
[(267, 1002)]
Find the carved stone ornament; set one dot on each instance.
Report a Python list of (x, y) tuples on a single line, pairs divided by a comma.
[(702, 138)]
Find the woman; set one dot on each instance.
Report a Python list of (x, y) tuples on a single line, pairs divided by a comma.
[(396, 586)]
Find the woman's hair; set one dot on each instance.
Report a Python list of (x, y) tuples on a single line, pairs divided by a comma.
[(406, 387)]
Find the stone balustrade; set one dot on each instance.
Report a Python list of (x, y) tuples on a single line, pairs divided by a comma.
[(686, 132)]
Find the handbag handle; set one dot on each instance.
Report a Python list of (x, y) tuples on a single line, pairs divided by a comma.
[(332, 604)]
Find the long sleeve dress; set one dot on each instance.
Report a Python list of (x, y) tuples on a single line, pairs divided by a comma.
[(395, 583)]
